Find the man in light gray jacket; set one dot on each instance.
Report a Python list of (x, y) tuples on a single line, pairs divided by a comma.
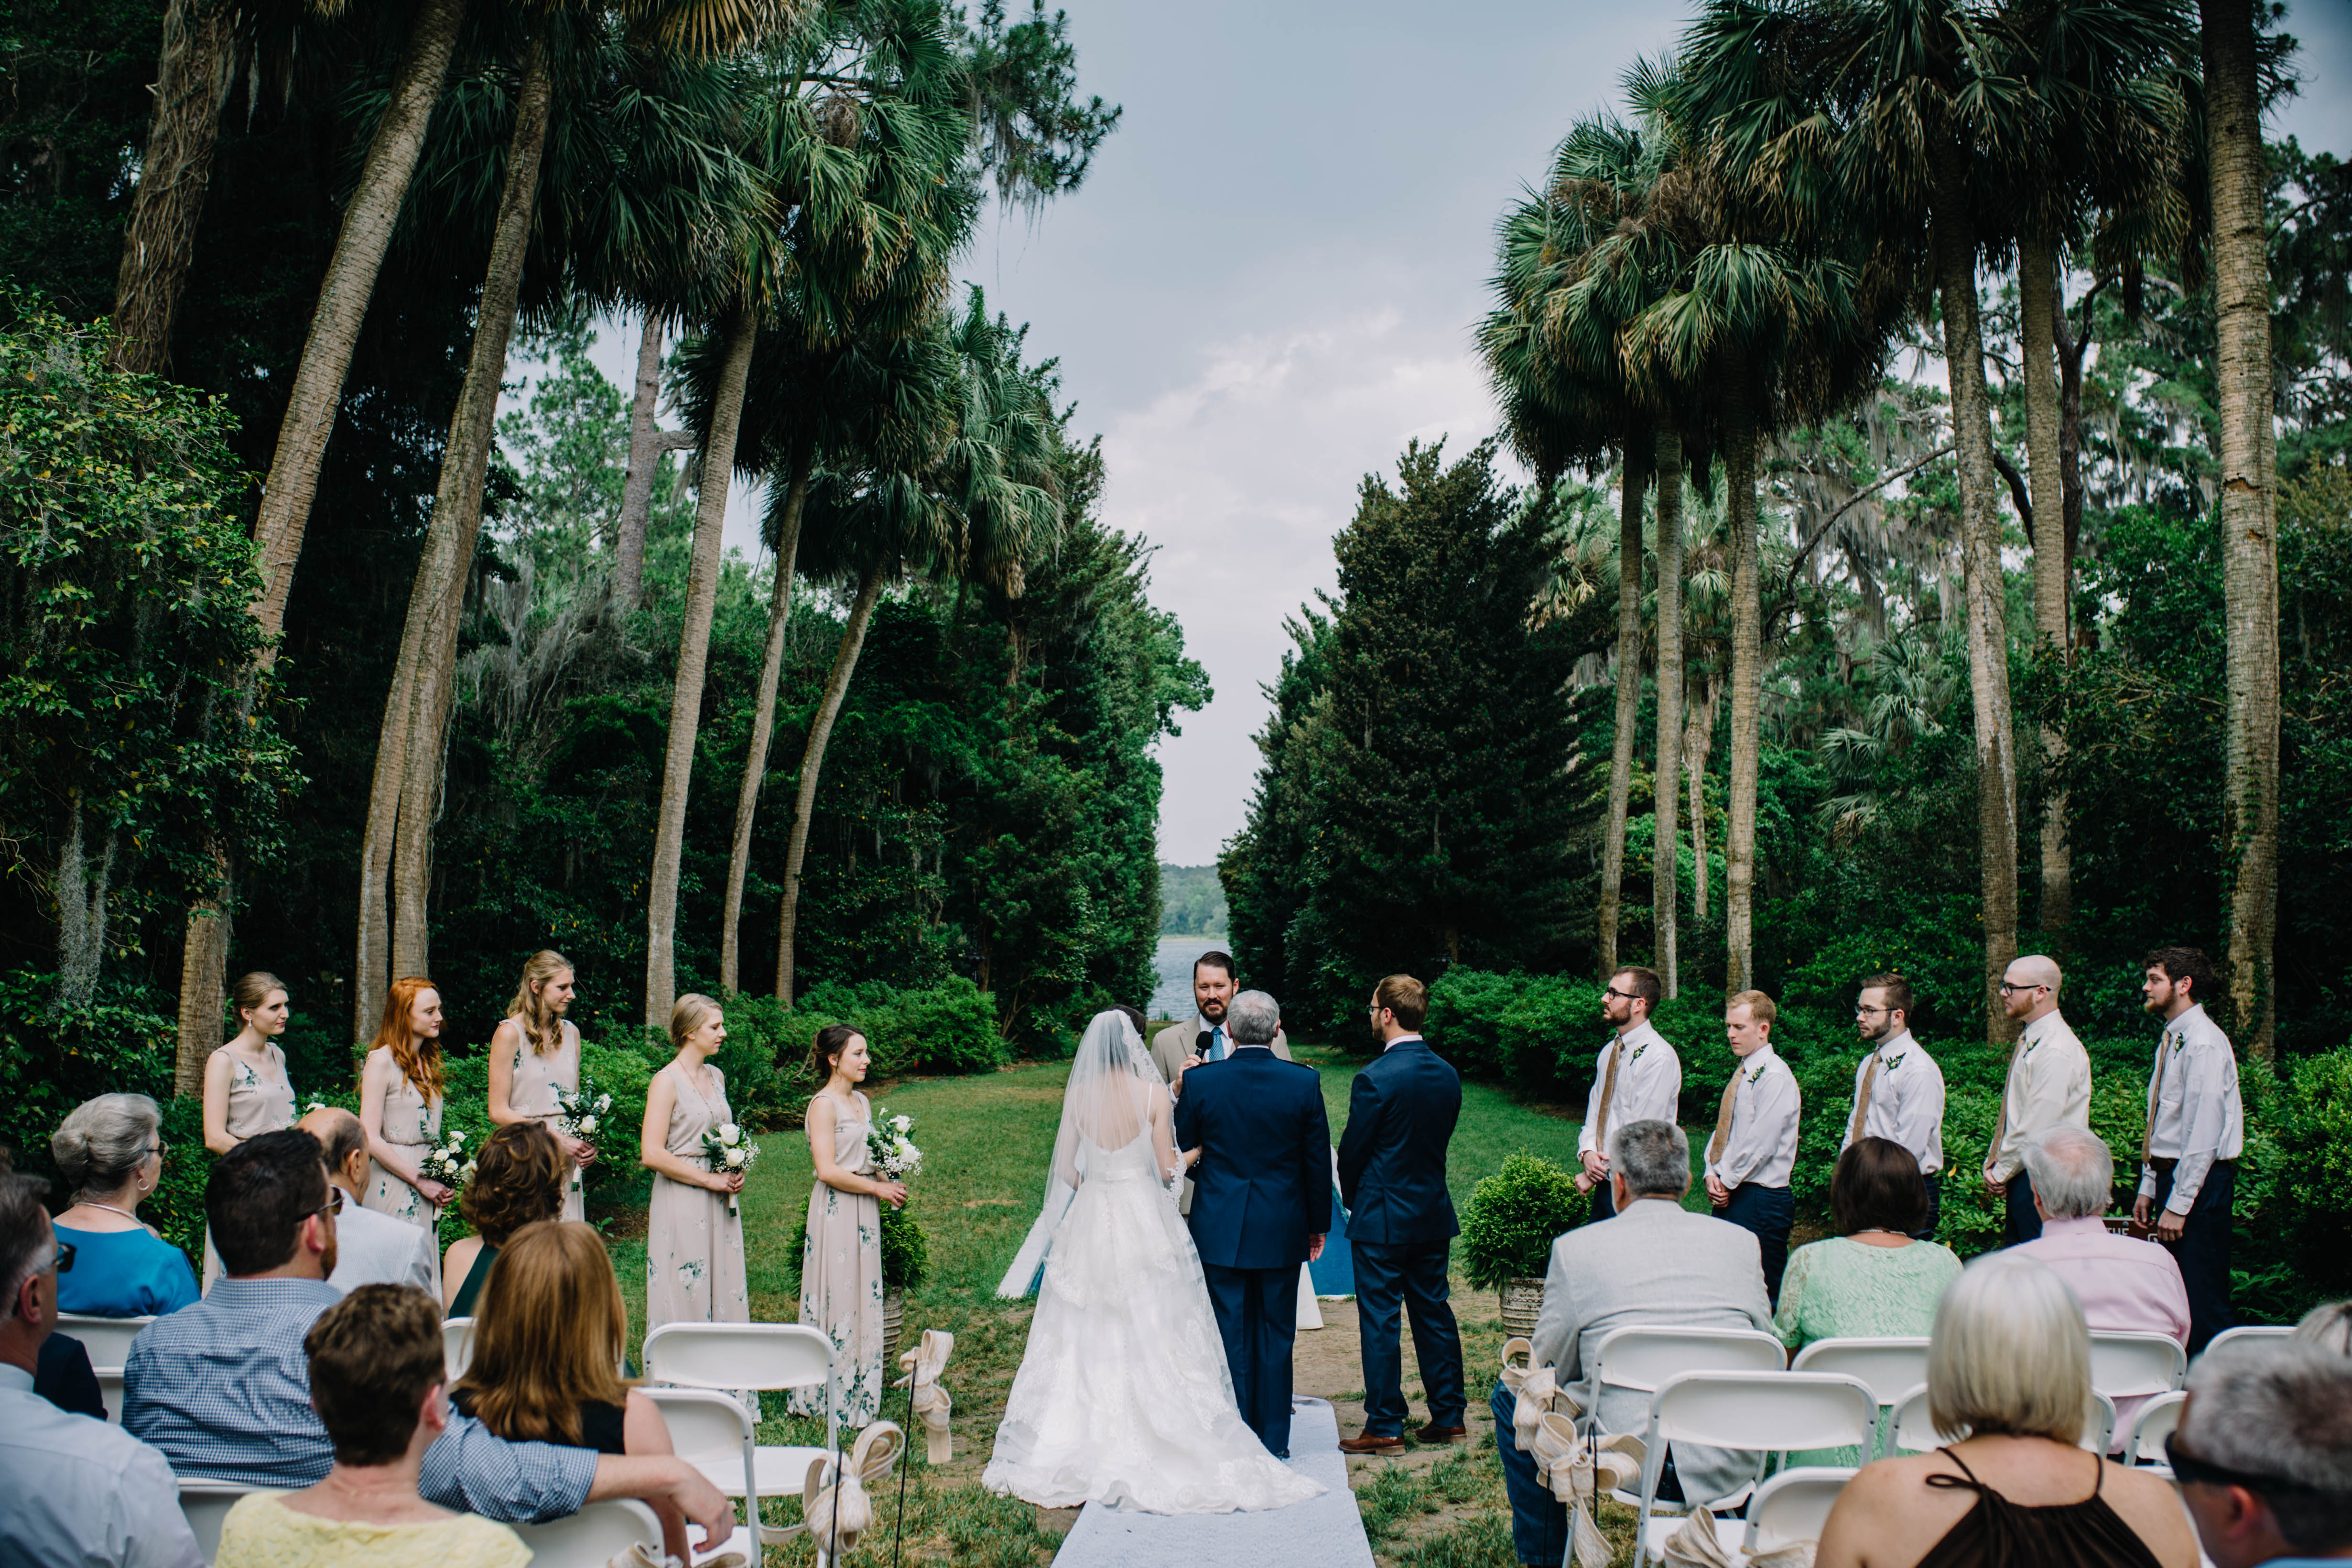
[(371, 1248), (1654, 1265)]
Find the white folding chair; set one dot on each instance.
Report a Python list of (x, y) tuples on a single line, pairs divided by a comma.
[(762, 1356), (456, 1345), (108, 1340), (206, 1504), (593, 1537), (2153, 1423), (1792, 1507), (109, 1390), (2249, 1332), (1914, 1432), (1892, 1368), (1644, 1358), (1762, 1413), (2130, 1365), (713, 1432)]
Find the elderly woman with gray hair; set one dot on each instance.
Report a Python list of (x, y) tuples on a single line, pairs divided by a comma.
[(2008, 1389), (111, 1152)]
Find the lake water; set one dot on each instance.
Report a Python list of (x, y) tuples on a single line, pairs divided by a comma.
[(1171, 994)]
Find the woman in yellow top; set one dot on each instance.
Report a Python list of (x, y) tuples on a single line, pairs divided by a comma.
[(376, 1381)]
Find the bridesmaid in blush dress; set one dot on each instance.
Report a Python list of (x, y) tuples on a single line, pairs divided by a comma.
[(247, 1090), (694, 1247), (400, 1107), (841, 1265), (534, 1054)]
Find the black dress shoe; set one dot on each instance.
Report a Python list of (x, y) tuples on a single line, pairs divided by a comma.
[(1433, 1432)]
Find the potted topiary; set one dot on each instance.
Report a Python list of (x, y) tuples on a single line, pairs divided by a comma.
[(1508, 1231)]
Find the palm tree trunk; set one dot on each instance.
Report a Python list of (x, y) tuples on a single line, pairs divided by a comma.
[(191, 80), (828, 708), (1747, 683), (1665, 881), (1633, 482), (2037, 308), (1982, 579), (397, 838), (204, 980), (693, 663), (1699, 740), (763, 714), (644, 457), (2241, 289)]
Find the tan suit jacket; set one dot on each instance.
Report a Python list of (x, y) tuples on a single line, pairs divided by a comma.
[(1169, 1046)]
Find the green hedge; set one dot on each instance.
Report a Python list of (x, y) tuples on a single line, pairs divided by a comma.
[(1512, 1220)]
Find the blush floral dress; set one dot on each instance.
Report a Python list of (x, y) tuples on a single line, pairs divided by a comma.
[(841, 1275), (694, 1248)]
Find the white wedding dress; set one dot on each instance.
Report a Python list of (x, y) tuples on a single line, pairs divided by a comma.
[(1123, 1396)]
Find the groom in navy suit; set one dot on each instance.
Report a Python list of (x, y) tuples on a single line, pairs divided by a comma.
[(1261, 1202), (1400, 1228)]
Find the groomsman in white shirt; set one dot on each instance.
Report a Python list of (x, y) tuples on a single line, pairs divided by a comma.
[(1636, 1078), (2195, 1130), (1755, 1142), (2049, 1086), (1898, 1090)]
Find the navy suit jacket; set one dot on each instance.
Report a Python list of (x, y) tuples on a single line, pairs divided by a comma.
[(1263, 1183), (1400, 1116)]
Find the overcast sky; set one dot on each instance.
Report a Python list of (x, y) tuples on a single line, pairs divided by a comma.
[(1266, 285)]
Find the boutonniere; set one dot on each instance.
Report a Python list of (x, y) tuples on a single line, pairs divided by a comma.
[(2027, 1050), (1894, 1062), (1756, 1077), (1638, 1050), (2179, 1040)]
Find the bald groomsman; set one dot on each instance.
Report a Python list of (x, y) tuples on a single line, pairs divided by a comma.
[(2049, 1086), (1637, 1078), (2195, 1130), (1754, 1149), (1898, 1090)]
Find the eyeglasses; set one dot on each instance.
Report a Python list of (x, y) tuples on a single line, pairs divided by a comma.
[(1622, 996), (2008, 989), (1867, 1012), (160, 1148), (334, 1203), (65, 1257), (2187, 1466)]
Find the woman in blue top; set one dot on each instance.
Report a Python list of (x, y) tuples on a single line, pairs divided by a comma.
[(112, 1153)]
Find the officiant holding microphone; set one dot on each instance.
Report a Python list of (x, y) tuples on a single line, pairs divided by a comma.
[(1204, 1037)]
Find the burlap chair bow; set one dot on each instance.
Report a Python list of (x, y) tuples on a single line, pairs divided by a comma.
[(1539, 1386), (1577, 1468), (922, 1366), (1696, 1545), (836, 1515), (1517, 1355)]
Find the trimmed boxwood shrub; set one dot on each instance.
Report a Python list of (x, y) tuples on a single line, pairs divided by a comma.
[(1514, 1217)]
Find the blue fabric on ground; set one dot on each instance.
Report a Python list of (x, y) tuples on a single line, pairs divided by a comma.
[(1334, 1273)]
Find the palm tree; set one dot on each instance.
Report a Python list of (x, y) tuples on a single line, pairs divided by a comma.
[(2242, 290)]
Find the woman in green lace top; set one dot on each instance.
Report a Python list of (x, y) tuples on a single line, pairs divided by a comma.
[(1871, 1280)]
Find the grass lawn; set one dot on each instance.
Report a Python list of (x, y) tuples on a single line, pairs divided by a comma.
[(986, 1141)]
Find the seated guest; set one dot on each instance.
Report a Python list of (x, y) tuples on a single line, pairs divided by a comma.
[(1653, 1264), (112, 1150), (2008, 1385), (223, 1387), (64, 1376), (547, 1351), (376, 1379), (371, 1248), (72, 1489), (2328, 1326), (2123, 1284), (1874, 1279), (2263, 1455), (519, 1178)]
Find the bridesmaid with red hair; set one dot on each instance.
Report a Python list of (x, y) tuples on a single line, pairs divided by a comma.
[(400, 1107)]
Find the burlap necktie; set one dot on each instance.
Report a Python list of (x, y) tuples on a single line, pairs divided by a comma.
[(1723, 1118), (1607, 1097), (2155, 1088), (1862, 1100)]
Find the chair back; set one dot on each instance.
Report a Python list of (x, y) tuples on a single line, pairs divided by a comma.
[(1793, 1506), (739, 1355), (205, 1505), (108, 1340), (110, 1392), (1892, 1368), (1910, 1431), (1766, 1412), (2099, 1427), (2155, 1422), (2131, 1366), (456, 1345), (2249, 1332), (593, 1537), (1647, 1358), (707, 1428)]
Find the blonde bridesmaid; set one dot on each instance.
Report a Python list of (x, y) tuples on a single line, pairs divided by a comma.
[(841, 1266), (400, 1108), (534, 1054), (247, 1090), (694, 1247)]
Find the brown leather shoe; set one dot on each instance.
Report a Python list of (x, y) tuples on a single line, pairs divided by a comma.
[(1371, 1443), (1433, 1432)]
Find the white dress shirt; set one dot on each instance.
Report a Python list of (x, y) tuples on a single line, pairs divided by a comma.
[(1906, 1100), (2198, 1118), (1649, 1083), (2049, 1086), (1761, 1145), (374, 1249), (78, 1493)]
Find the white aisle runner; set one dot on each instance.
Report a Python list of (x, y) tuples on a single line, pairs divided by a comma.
[(1322, 1532)]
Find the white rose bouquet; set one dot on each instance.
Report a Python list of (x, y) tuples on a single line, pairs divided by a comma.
[(579, 1112), (448, 1163), (728, 1150), (894, 1154)]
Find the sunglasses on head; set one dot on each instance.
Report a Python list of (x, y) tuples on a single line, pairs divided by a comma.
[(2187, 1468)]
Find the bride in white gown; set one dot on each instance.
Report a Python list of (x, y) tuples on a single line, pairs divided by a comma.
[(1123, 1396)]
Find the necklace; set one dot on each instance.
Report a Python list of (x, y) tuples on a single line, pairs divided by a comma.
[(109, 1208)]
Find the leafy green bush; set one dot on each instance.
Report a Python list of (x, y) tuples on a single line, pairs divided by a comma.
[(905, 1249), (1514, 1217)]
